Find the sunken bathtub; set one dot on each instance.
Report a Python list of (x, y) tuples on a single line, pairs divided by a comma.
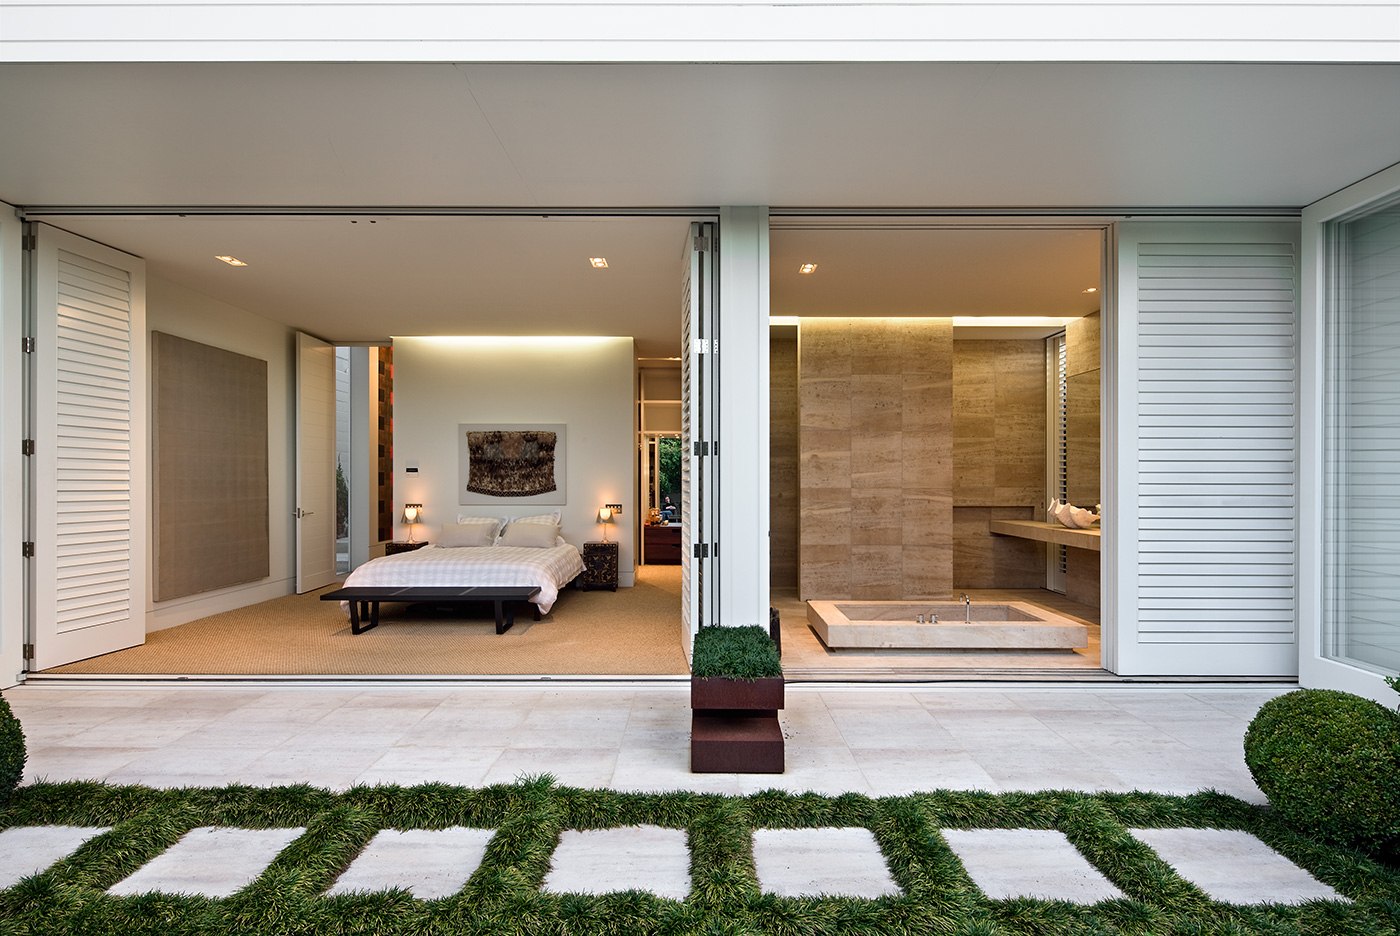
[(1007, 625)]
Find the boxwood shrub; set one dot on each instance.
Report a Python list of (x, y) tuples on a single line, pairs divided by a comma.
[(11, 751), (1330, 764), (746, 653)]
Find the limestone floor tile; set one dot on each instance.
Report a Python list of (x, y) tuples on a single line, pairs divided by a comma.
[(897, 771), (410, 766), (26, 850), (428, 863), (826, 861), (603, 861), (1234, 867), (68, 762), (208, 862), (582, 767), (1010, 863), (645, 769)]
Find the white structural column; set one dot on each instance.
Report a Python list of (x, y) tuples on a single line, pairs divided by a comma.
[(743, 416), (11, 461)]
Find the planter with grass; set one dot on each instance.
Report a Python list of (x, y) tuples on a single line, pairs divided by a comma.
[(736, 689)]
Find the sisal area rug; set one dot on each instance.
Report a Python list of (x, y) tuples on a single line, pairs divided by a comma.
[(633, 631)]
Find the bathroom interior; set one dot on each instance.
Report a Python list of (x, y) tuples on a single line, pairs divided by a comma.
[(933, 389)]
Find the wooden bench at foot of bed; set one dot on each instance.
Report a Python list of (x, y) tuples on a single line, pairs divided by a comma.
[(364, 600)]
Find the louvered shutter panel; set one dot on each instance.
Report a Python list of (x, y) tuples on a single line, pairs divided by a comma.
[(1209, 314), (90, 464)]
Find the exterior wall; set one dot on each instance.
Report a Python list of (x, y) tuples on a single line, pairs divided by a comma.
[(876, 400), (187, 314), (741, 30), (584, 383)]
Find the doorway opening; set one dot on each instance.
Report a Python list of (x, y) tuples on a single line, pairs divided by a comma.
[(934, 390)]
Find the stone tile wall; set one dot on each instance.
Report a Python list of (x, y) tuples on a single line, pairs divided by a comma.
[(784, 521)]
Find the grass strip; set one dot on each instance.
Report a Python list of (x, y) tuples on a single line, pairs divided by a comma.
[(504, 897)]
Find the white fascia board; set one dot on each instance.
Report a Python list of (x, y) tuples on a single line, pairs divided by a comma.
[(700, 30)]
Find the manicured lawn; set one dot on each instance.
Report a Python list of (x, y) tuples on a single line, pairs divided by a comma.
[(504, 895)]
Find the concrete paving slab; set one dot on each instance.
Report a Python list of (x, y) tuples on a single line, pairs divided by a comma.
[(26, 850), (844, 862), (605, 861), (1010, 863), (1234, 867), (208, 861), (428, 863)]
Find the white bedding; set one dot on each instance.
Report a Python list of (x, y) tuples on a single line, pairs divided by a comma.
[(550, 569)]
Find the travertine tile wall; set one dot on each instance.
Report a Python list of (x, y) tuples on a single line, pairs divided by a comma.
[(1082, 401), (998, 460), (875, 398), (784, 521)]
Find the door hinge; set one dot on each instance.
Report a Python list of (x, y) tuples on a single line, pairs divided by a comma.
[(702, 346), (28, 549), (29, 344), (701, 243), (702, 550), (26, 447), (29, 242), (29, 651), (700, 448)]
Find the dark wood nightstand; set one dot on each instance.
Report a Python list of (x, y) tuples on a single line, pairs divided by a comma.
[(600, 560), (393, 549)]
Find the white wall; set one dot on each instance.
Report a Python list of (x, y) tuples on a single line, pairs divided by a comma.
[(11, 461), (178, 311), (584, 383), (736, 31)]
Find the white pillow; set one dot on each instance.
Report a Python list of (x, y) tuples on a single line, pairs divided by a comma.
[(534, 535), (498, 521), (541, 518), (456, 535)]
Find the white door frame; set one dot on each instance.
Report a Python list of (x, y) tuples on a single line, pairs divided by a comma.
[(1314, 669), (13, 617), (315, 465)]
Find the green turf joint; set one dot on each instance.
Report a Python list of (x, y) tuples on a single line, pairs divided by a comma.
[(746, 653), (12, 752)]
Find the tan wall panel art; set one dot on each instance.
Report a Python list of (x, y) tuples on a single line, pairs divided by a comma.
[(209, 443)]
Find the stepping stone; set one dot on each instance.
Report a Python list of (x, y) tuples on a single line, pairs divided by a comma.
[(1234, 867), (26, 850), (1011, 863), (428, 863), (604, 861), (208, 862), (845, 862)]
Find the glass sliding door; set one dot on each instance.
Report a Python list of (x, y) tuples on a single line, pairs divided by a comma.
[(1361, 468)]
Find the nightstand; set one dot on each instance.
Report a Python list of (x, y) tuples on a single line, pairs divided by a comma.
[(600, 560), (393, 549)]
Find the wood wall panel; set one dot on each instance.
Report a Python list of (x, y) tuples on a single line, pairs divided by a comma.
[(209, 442)]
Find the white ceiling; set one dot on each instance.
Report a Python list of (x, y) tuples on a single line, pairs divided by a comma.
[(554, 136)]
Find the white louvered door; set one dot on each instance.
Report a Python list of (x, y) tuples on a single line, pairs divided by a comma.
[(1207, 486), (88, 574), (698, 423)]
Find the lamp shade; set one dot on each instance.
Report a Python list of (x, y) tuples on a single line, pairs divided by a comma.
[(412, 513)]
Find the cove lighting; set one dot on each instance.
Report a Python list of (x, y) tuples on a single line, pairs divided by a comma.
[(231, 261), (783, 320), (1010, 321), (807, 268), (600, 263)]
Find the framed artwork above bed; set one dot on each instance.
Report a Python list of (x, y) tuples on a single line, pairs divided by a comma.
[(513, 463)]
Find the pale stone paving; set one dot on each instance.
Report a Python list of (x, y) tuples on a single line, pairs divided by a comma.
[(428, 863), (603, 861), (26, 850), (1010, 863), (814, 862), (209, 862), (1234, 867)]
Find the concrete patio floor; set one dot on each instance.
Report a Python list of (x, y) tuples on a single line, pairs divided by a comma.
[(873, 740)]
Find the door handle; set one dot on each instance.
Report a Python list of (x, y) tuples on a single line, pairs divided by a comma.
[(299, 513)]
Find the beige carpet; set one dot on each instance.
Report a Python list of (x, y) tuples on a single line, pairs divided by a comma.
[(633, 631)]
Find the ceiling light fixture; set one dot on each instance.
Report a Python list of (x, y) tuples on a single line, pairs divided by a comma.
[(231, 261), (600, 263), (807, 268), (1092, 289)]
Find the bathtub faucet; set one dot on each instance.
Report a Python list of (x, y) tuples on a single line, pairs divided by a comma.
[(967, 605)]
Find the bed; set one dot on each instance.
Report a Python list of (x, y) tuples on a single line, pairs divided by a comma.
[(549, 568)]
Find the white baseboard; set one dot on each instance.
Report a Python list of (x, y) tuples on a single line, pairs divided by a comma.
[(179, 611)]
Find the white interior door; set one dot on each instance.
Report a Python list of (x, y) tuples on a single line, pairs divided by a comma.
[(1202, 535), (315, 503), (699, 347), (88, 515)]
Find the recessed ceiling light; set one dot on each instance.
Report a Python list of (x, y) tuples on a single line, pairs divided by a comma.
[(1092, 289), (231, 261), (808, 268), (599, 262)]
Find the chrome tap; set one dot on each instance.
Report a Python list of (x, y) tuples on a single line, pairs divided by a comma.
[(967, 605)]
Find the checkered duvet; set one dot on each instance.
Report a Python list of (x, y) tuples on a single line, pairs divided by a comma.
[(550, 569)]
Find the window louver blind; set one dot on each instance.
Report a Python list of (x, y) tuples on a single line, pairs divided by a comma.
[(93, 511), (1060, 445), (1217, 418)]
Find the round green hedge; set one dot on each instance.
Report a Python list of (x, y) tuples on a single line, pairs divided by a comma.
[(1330, 764), (11, 751)]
